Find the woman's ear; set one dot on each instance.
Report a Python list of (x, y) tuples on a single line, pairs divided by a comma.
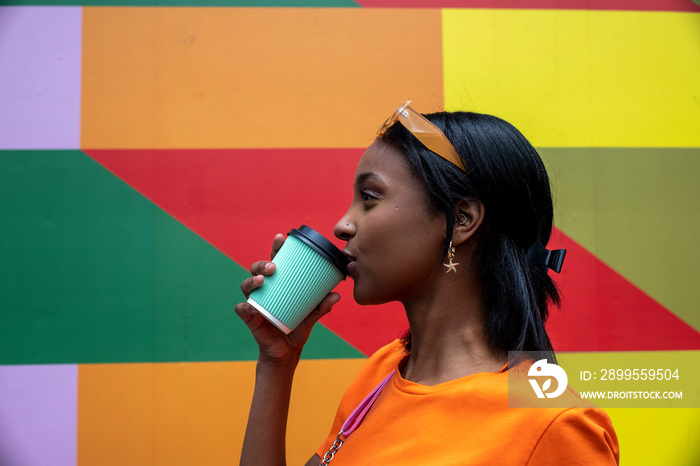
[(470, 215)]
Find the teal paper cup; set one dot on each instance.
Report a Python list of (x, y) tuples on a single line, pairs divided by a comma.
[(308, 267)]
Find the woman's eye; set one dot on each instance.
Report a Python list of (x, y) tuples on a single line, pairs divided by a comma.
[(367, 196)]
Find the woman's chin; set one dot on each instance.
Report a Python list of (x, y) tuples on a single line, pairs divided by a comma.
[(360, 297), (367, 298)]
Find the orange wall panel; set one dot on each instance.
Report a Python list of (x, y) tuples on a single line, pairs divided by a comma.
[(253, 77), (195, 413)]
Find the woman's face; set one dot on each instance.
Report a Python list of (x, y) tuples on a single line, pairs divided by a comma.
[(393, 240)]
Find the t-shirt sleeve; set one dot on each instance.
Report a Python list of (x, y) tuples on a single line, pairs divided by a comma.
[(577, 437)]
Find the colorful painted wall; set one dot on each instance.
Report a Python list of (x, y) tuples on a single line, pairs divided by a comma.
[(150, 151)]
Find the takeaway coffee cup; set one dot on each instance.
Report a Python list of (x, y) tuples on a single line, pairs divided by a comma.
[(308, 267)]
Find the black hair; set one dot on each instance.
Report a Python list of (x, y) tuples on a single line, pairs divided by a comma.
[(507, 175)]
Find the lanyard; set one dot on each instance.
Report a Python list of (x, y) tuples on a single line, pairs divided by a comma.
[(355, 419)]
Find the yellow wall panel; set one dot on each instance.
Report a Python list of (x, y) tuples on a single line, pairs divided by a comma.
[(647, 436), (657, 436), (571, 78), (253, 77)]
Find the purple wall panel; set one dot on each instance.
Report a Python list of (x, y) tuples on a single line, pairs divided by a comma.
[(38, 415), (40, 59)]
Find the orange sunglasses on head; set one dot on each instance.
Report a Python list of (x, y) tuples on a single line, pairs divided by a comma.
[(426, 132)]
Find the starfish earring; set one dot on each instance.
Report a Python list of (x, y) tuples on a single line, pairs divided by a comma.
[(451, 266)]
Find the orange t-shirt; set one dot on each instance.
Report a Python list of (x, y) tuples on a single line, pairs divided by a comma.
[(463, 422)]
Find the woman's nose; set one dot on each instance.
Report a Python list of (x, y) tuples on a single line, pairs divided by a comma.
[(345, 228)]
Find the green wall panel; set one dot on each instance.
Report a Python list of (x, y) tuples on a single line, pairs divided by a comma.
[(93, 272)]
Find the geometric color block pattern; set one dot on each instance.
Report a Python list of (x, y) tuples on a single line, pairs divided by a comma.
[(218, 182), (94, 272), (624, 5), (596, 297), (149, 154)]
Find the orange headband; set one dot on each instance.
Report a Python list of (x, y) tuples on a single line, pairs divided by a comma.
[(425, 131)]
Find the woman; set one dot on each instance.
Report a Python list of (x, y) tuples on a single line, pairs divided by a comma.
[(450, 216)]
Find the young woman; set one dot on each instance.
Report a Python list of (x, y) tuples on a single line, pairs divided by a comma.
[(450, 216)]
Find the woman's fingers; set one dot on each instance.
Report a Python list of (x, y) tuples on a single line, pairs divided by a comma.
[(327, 304), (259, 271), (249, 284), (270, 339), (248, 314), (277, 243), (262, 268), (274, 344), (324, 307)]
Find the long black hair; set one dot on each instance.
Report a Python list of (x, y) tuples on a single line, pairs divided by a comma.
[(507, 175)]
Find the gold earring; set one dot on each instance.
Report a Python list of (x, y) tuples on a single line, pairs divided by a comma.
[(451, 266)]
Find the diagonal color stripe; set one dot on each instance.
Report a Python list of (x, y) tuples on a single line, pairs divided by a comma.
[(94, 272), (253, 77), (637, 210), (220, 194), (579, 78), (40, 56), (38, 415), (602, 311), (202, 188)]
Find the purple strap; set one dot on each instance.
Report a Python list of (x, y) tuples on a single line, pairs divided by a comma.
[(358, 415), (354, 420)]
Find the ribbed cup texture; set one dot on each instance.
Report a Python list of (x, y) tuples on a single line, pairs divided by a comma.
[(301, 280)]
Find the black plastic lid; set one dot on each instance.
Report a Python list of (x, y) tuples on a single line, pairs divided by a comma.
[(324, 247)]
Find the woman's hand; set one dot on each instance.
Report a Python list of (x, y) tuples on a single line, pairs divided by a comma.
[(275, 346)]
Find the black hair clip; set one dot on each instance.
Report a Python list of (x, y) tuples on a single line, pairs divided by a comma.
[(539, 255)]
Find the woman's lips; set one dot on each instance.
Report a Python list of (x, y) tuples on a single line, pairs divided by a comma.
[(351, 264)]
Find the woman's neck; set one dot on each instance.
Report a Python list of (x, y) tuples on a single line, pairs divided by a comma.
[(448, 338)]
